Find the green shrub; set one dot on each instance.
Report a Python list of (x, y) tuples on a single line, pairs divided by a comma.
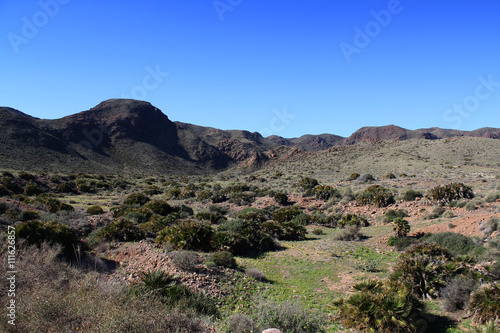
[(375, 195), (351, 233), (378, 306), (286, 214), (65, 187), (53, 232), (213, 218), (412, 195), (292, 231), (424, 266), (281, 198), (95, 210), (254, 214), (152, 190), (392, 214), (3, 207), (390, 176), (4, 191), (139, 199), (242, 237), (401, 243), (450, 192), (159, 207), (222, 258), (455, 243), (325, 193), (307, 183), (365, 178), (120, 230), (204, 195), (27, 215), (401, 228), (352, 220), (484, 304), (32, 189), (241, 323), (188, 235), (26, 176), (318, 232)]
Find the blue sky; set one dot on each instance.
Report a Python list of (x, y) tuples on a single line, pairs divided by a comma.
[(277, 67)]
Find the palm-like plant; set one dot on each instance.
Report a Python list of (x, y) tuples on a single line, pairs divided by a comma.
[(401, 227), (426, 267), (380, 306), (484, 304)]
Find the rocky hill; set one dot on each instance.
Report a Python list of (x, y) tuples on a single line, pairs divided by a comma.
[(121, 135)]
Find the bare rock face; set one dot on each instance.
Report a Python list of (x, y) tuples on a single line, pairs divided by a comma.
[(272, 330)]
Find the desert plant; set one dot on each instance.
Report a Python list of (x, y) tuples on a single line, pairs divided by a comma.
[(222, 258), (256, 274), (484, 304), (378, 306), (286, 214), (53, 232), (401, 227), (426, 267), (186, 260), (159, 207), (136, 199), (351, 233), (325, 193), (241, 323), (307, 184), (288, 317), (392, 214), (292, 231), (120, 230), (375, 195), (455, 243), (95, 210), (352, 220), (456, 294), (354, 176), (450, 192), (489, 327), (32, 189), (188, 235), (365, 178), (281, 198), (412, 195)]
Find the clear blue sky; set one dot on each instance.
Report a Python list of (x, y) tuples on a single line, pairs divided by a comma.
[(237, 65)]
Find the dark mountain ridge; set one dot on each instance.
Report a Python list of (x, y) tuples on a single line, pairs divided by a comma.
[(134, 136)]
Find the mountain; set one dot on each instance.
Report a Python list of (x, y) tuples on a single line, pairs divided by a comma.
[(123, 135)]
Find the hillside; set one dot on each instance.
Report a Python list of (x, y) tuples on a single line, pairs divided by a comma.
[(131, 136)]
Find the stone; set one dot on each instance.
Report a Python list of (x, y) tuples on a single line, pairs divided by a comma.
[(272, 330)]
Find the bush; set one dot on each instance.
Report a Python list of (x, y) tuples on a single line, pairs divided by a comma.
[(392, 214), (241, 323), (286, 214), (139, 199), (378, 306), (3, 207), (26, 176), (455, 296), (412, 195), (489, 327), (95, 210), (424, 266), (65, 187), (325, 193), (152, 190), (484, 304), (223, 258), (488, 227), (159, 207), (53, 232), (27, 215), (450, 192), (188, 235), (289, 317), (375, 195), (401, 228), (292, 231), (352, 220), (455, 243), (242, 198), (401, 243), (318, 232), (351, 233), (256, 274), (365, 178), (4, 191), (32, 189), (242, 238), (120, 230), (186, 260), (307, 183), (281, 198)]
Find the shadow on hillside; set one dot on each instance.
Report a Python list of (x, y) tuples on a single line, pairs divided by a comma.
[(436, 324)]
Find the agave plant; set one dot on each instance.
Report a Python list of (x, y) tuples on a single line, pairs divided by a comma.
[(380, 306), (401, 227)]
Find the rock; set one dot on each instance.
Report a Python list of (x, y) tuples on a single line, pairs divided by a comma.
[(272, 330)]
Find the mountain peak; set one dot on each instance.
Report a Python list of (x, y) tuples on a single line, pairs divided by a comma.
[(124, 108)]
